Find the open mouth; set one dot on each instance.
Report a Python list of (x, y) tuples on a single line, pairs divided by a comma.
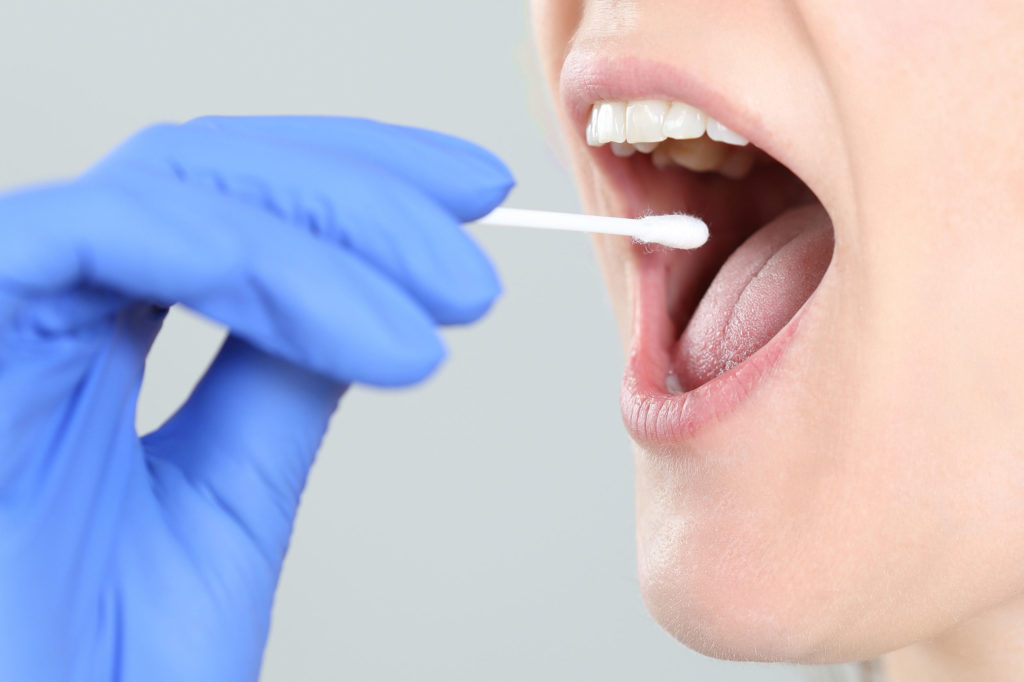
[(706, 322)]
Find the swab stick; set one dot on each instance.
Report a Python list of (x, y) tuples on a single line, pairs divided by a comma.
[(675, 230)]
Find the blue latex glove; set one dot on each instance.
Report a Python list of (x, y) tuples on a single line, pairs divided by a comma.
[(332, 249)]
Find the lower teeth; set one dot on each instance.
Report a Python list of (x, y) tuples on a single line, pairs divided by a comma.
[(701, 155), (623, 149)]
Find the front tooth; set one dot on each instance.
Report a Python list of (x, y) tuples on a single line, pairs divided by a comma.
[(719, 133), (592, 127), (646, 147), (683, 122), (644, 120), (611, 122)]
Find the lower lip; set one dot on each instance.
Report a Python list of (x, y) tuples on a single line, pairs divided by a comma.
[(654, 417)]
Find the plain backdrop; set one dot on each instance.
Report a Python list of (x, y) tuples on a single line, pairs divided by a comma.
[(480, 526)]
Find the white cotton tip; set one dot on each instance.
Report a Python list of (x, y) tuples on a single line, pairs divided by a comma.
[(674, 230)]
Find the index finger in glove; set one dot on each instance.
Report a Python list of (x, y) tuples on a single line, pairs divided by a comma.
[(360, 204), (466, 179)]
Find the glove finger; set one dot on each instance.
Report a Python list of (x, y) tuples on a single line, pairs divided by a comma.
[(390, 223), (466, 179), (282, 289), (247, 436)]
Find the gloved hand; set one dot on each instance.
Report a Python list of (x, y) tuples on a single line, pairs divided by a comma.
[(330, 247)]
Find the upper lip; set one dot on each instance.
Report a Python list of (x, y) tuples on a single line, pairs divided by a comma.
[(588, 77)]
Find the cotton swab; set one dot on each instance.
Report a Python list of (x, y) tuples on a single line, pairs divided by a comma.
[(675, 230)]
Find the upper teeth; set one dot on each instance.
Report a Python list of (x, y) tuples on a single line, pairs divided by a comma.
[(650, 121)]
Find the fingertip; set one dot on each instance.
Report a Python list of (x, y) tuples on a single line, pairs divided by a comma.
[(474, 302), (491, 185), (491, 193), (460, 283), (406, 346), (501, 178), (434, 356), (486, 181), (420, 361), (477, 310)]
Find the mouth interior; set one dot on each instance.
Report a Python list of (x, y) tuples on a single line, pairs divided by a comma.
[(722, 315)]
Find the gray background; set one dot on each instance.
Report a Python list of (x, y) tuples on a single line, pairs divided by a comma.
[(479, 527)]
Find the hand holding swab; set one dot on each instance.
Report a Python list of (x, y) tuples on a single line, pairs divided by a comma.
[(675, 230)]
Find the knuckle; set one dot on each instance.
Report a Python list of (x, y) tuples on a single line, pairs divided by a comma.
[(153, 138), (109, 202), (205, 122), (142, 151)]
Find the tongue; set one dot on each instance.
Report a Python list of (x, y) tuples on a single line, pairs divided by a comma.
[(758, 290)]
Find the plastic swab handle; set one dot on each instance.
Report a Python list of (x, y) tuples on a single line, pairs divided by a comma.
[(675, 230)]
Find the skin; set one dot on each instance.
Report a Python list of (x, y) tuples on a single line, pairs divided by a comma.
[(871, 503)]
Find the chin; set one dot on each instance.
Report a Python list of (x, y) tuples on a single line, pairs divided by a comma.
[(717, 584), (738, 557)]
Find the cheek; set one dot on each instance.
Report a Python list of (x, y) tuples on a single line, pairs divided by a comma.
[(613, 257), (554, 22)]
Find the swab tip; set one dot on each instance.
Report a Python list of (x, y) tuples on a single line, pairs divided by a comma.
[(674, 230)]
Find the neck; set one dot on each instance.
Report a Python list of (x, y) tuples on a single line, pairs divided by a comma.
[(987, 647)]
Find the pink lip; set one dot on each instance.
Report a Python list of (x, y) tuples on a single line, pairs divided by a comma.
[(655, 418)]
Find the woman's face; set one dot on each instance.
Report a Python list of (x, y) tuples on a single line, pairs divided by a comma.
[(830, 428)]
